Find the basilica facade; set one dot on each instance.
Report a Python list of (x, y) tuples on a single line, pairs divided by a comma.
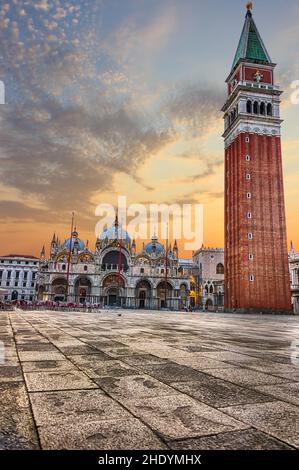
[(114, 273)]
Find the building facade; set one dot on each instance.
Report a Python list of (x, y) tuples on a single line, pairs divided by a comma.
[(294, 272), (18, 274), (256, 256), (113, 274), (208, 272)]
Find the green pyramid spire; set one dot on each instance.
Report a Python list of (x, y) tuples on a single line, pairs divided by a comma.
[(251, 45)]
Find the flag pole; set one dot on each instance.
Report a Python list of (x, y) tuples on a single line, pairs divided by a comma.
[(69, 257), (119, 255), (166, 265)]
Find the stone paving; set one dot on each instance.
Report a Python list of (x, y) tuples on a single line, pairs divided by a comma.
[(148, 380)]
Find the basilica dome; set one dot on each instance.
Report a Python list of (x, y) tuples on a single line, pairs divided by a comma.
[(75, 242), (115, 233), (154, 247)]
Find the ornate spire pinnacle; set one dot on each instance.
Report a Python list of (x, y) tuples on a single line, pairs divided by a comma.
[(154, 237), (251, 46), (116, 223), (249, 6), (42, 253)]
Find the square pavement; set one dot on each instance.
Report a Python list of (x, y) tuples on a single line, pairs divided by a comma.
[(148, 380)]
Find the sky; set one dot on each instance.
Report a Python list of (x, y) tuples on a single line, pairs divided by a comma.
[(124, 97)]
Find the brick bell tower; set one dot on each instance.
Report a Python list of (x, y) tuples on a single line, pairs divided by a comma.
[(256, 260)]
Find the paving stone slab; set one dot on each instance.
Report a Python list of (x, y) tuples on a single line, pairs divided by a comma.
[(63, 380), (130, 434), (40, 356), (248, 439), (120, 351), (245, 377), (219, 393), (228, 356), (139, 386), (275, 418), (286, 371), (82, 406), (90, 360), (40, 366), (73, 350), (104, 368), (17, 430), (288, 392), (172, 372), (34, 346), (178, 417), (10, 373), (200, 363), (144, 359)]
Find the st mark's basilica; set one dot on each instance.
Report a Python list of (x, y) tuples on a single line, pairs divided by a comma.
[(114, 273)]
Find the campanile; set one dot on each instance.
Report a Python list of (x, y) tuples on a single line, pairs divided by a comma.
[(256, 259)]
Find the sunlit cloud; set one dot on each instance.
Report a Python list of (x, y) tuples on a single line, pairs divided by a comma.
[(99, 102)]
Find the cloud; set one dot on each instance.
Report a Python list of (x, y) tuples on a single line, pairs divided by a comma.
[(74, 118), (194, 108), (14, 210), (63, 155), (136, 40), (211, 168)]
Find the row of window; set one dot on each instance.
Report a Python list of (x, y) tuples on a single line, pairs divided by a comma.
[(17, 274), (23, 297), (3, 261), (262, 109), (16, 283), (63, 267), (252, 107), (249, 217)]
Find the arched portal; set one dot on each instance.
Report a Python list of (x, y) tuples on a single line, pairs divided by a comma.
[(82, 290), (183, 295), (113, 287), (59, 290), (164, 295), (113, 297), (40, 292), (143, 294), (14, 295)]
